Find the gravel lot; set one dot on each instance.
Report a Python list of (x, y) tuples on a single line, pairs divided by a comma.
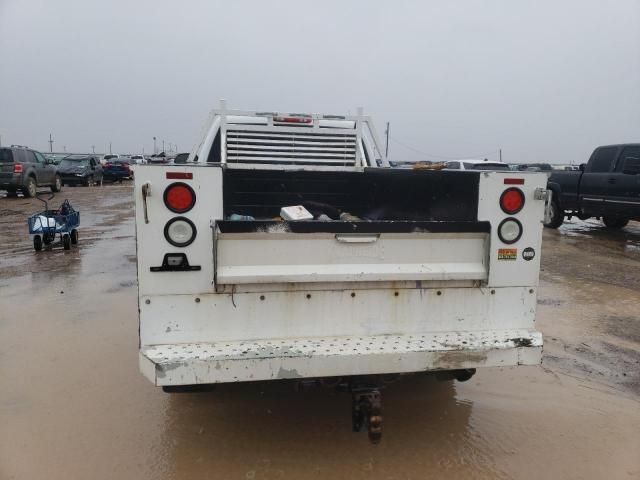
[(73, 404)]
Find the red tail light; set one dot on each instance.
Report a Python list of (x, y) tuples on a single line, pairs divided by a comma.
[(179, 197), (17, 168), (512, 200)]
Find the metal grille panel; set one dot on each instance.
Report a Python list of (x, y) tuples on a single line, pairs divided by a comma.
[(306, 147)]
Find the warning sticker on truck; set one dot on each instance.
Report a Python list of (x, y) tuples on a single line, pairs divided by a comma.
[(507, 253)]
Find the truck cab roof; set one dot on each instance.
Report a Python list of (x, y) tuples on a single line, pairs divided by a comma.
[(618, 145)]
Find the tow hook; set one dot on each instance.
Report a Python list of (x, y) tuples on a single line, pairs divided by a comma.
[(366, 399), (366, 409)]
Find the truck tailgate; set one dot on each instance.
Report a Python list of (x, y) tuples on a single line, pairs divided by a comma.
[(292, 252)]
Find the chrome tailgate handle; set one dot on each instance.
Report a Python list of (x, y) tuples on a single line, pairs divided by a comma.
[(345, 238), (146, 192)]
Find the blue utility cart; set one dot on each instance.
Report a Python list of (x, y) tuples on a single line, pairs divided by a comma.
[(44, 226)]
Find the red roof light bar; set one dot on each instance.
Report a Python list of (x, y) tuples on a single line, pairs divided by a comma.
[(293, 119)]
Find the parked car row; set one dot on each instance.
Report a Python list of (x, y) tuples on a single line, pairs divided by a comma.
[(606, 187), (160, 158), (25, 170)]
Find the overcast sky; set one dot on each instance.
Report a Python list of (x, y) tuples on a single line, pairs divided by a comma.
[(543, 80)]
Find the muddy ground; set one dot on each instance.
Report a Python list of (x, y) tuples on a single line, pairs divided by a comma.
[(74, 406)]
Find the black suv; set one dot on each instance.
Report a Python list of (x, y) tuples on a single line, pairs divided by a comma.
[(80, 170), (24, 169)]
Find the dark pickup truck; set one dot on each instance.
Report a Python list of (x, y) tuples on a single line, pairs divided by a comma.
[(607, 187)]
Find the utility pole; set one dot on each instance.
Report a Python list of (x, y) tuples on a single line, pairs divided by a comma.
[(163, 145), (93, 147), (386, 148), (500, 154), (50, 144), (155, 150), (110, 148)]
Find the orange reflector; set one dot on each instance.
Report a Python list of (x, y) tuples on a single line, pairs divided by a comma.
[(514, 181), (180, 175)]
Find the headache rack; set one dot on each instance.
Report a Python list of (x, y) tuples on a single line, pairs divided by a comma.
[(237, 138)]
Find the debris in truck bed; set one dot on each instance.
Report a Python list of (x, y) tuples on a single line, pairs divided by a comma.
[(241, 218), (321, 208), (428, 166), (295, 212), (347, 217)]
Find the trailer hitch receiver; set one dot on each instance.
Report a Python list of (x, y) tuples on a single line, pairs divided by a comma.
[(366, 409)]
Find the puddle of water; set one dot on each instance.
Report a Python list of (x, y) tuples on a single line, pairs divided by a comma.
[(592, 228)]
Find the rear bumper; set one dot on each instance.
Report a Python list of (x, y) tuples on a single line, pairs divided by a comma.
[(72, 179), (115, 175), (224, 362), (10, 181)]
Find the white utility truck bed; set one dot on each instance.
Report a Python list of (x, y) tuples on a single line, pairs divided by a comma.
[(400, 270)]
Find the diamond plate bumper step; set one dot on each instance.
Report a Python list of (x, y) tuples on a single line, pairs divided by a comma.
[(222, 362)]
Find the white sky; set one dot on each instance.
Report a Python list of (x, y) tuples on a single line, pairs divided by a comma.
[(543, 80)]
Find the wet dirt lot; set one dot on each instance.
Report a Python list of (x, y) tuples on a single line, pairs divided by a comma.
[(74, 406)]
